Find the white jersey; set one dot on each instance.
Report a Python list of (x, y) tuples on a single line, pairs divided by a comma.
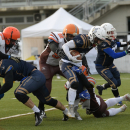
[(53, 59), (2, 43)]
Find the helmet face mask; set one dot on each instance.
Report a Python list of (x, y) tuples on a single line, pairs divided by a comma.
[(110, 30), (70, 31), (11, 34), (97, 33)]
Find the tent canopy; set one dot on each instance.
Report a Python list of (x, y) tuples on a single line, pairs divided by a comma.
[(55, 23)]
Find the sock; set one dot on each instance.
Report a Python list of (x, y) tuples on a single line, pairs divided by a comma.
[(115, 92), (114, 111), (66, 110), (106, 85), (41, 106), (71, 95), (35, 109), (112, 101), (76, 103)]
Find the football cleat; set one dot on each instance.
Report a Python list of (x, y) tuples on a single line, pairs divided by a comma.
[(100, 89), (38, 118), (65, 117), (67, 113), (126, 97), (123, 108), (70, 113), (77, 116), (119, 103), (43, 114)]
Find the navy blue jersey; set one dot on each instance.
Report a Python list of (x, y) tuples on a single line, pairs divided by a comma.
[(103, 58), (20, 70), (82, 44)]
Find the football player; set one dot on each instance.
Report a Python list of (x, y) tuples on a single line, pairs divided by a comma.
[(105, 58), (32, 81), (82, 44), (49, 58), (9, 44), (95, 104), (82, 95)]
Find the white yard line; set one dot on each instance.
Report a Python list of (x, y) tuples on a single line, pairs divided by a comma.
[(25, 114)]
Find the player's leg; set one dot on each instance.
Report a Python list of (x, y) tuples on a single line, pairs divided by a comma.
[(29, 85), (72, 78), (116, 75), (112, 101), (114, 111), (44, 96), (46, 70)]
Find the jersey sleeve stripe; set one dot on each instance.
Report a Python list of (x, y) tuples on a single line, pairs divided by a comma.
[(54, 36), (53, 39)]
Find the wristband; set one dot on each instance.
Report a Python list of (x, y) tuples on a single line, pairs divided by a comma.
[(9, 57)]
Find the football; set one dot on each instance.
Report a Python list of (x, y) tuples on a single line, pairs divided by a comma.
[(75, 53)]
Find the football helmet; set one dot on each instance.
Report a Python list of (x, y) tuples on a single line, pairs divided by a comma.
[(110, 30), (71, 29), (11, 34), (97, 32)]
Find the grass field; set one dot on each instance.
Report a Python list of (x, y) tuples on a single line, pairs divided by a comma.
[(9, 106)]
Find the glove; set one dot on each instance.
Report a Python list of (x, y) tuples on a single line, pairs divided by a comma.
[(84, 95), (14, 58), (74, 59), (76, 69), (127, 51)]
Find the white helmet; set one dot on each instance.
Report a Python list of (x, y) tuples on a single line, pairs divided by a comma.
[(110, 30), (97, 31)]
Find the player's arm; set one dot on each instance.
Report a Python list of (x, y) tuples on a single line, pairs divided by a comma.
[(8, 82), (114, 55), (121, 44), (4, 56), (54, 47)]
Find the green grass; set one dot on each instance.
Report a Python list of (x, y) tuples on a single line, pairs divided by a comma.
[(10, 107)]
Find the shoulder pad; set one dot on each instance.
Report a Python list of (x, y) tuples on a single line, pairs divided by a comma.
[(104, 44)]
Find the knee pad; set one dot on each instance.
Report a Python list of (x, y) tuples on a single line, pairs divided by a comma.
[(75, 85), (52, 102), (22, 97)]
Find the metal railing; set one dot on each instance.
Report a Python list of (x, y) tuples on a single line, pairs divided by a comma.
[(17, 3), (90, 7)]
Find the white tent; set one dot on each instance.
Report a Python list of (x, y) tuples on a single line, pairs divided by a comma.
[(55, 23)]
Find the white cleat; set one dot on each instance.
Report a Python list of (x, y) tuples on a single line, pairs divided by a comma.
[(77, 116), (126, 97), (123, 108), (71, 111), (67, 113)]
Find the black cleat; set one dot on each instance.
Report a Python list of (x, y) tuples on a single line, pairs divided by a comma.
[(100, 89), (65, 118), (43, 114), (38, 118)]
